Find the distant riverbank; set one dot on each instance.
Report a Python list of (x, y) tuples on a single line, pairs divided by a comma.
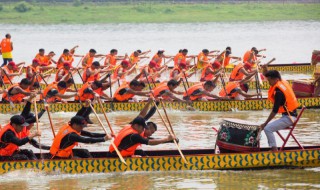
[(78, 12)]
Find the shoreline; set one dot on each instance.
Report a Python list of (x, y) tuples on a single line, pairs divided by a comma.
[(155, 12)]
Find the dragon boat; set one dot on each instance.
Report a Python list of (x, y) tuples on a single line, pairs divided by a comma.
[(170, 160), (213, 105), (286, 67)]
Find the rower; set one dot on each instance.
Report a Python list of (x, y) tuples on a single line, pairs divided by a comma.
[(92, 73), (152, 71), (234, 91), (88, 59), (136, 56), (181, 57), (203, 58), (10, 140), (70, 135), (55, 92), (167, 90), (66, 56), (9, 70), (30, 119), (122, 70), (131, 136), (63, 71), (111, 59), (240, 71), (91, 91), (210, 71), (126, 92), (284, 102), (226, 56), (200, 91), (250, 56), (34, 69), (177, 72), (45, 60), (157, 58), (17, 92)]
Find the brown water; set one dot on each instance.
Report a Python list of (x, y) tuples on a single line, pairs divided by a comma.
[(194, 130)]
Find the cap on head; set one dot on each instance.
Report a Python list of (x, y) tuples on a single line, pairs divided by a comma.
[(35, 61), (125, 63), (13, 65), (139, 121), (216, 64), (78, 120), (18, 120)]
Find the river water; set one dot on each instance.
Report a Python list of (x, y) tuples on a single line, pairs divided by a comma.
[(289, 41)]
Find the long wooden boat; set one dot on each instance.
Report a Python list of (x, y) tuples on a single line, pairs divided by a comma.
[(286, 67), (252, 85), (169, 160), (214, 105)]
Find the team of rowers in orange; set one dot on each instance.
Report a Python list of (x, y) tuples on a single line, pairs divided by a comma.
[(95, 76)]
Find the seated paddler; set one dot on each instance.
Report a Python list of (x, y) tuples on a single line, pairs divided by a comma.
[(10, 140), (132, 136), (70, 135), (127, 91)]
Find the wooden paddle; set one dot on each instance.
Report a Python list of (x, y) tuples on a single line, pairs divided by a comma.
[(80, 60), (80, 76), (105, 116), (37, 124), (49, 116), (112, 143), (171, 133)]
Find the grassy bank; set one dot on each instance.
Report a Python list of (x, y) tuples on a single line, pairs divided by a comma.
[(82, 13)]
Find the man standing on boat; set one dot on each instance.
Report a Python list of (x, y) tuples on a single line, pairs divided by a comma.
[(70, 135), (6, 47), (284, 102), (10, 140)]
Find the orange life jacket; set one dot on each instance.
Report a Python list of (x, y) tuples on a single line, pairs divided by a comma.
[(91, 78), (54, 98), (8, 148), (112, 60), (46, 61), (64, 58), (226, 61), (157, 59), (40, 58), (229, 87), (177, 57), (124, 97), (133, 59), (16, 98), (127, 130), (291, 101), (201, 58), (6, 45), (65, 71), (236, 75), (8, 71), (157, 91), (24, 133), (204, 76), (89, 60), (192, 89), (247, 55), (173, 70), (55, 147)]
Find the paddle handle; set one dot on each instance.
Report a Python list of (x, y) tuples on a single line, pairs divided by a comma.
[(105, 116), (50, 120), (114, 146), (272, 60), (165, 112), (37, 124)]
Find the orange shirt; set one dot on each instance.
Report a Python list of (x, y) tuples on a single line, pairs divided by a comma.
[(202, 60), (64, 58), (180, 57), (112, 60), (133, 59), (247, 55), (6, 45), (157, 59)]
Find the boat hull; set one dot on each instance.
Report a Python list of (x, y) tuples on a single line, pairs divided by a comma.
[(215, 105), (210, 161)]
